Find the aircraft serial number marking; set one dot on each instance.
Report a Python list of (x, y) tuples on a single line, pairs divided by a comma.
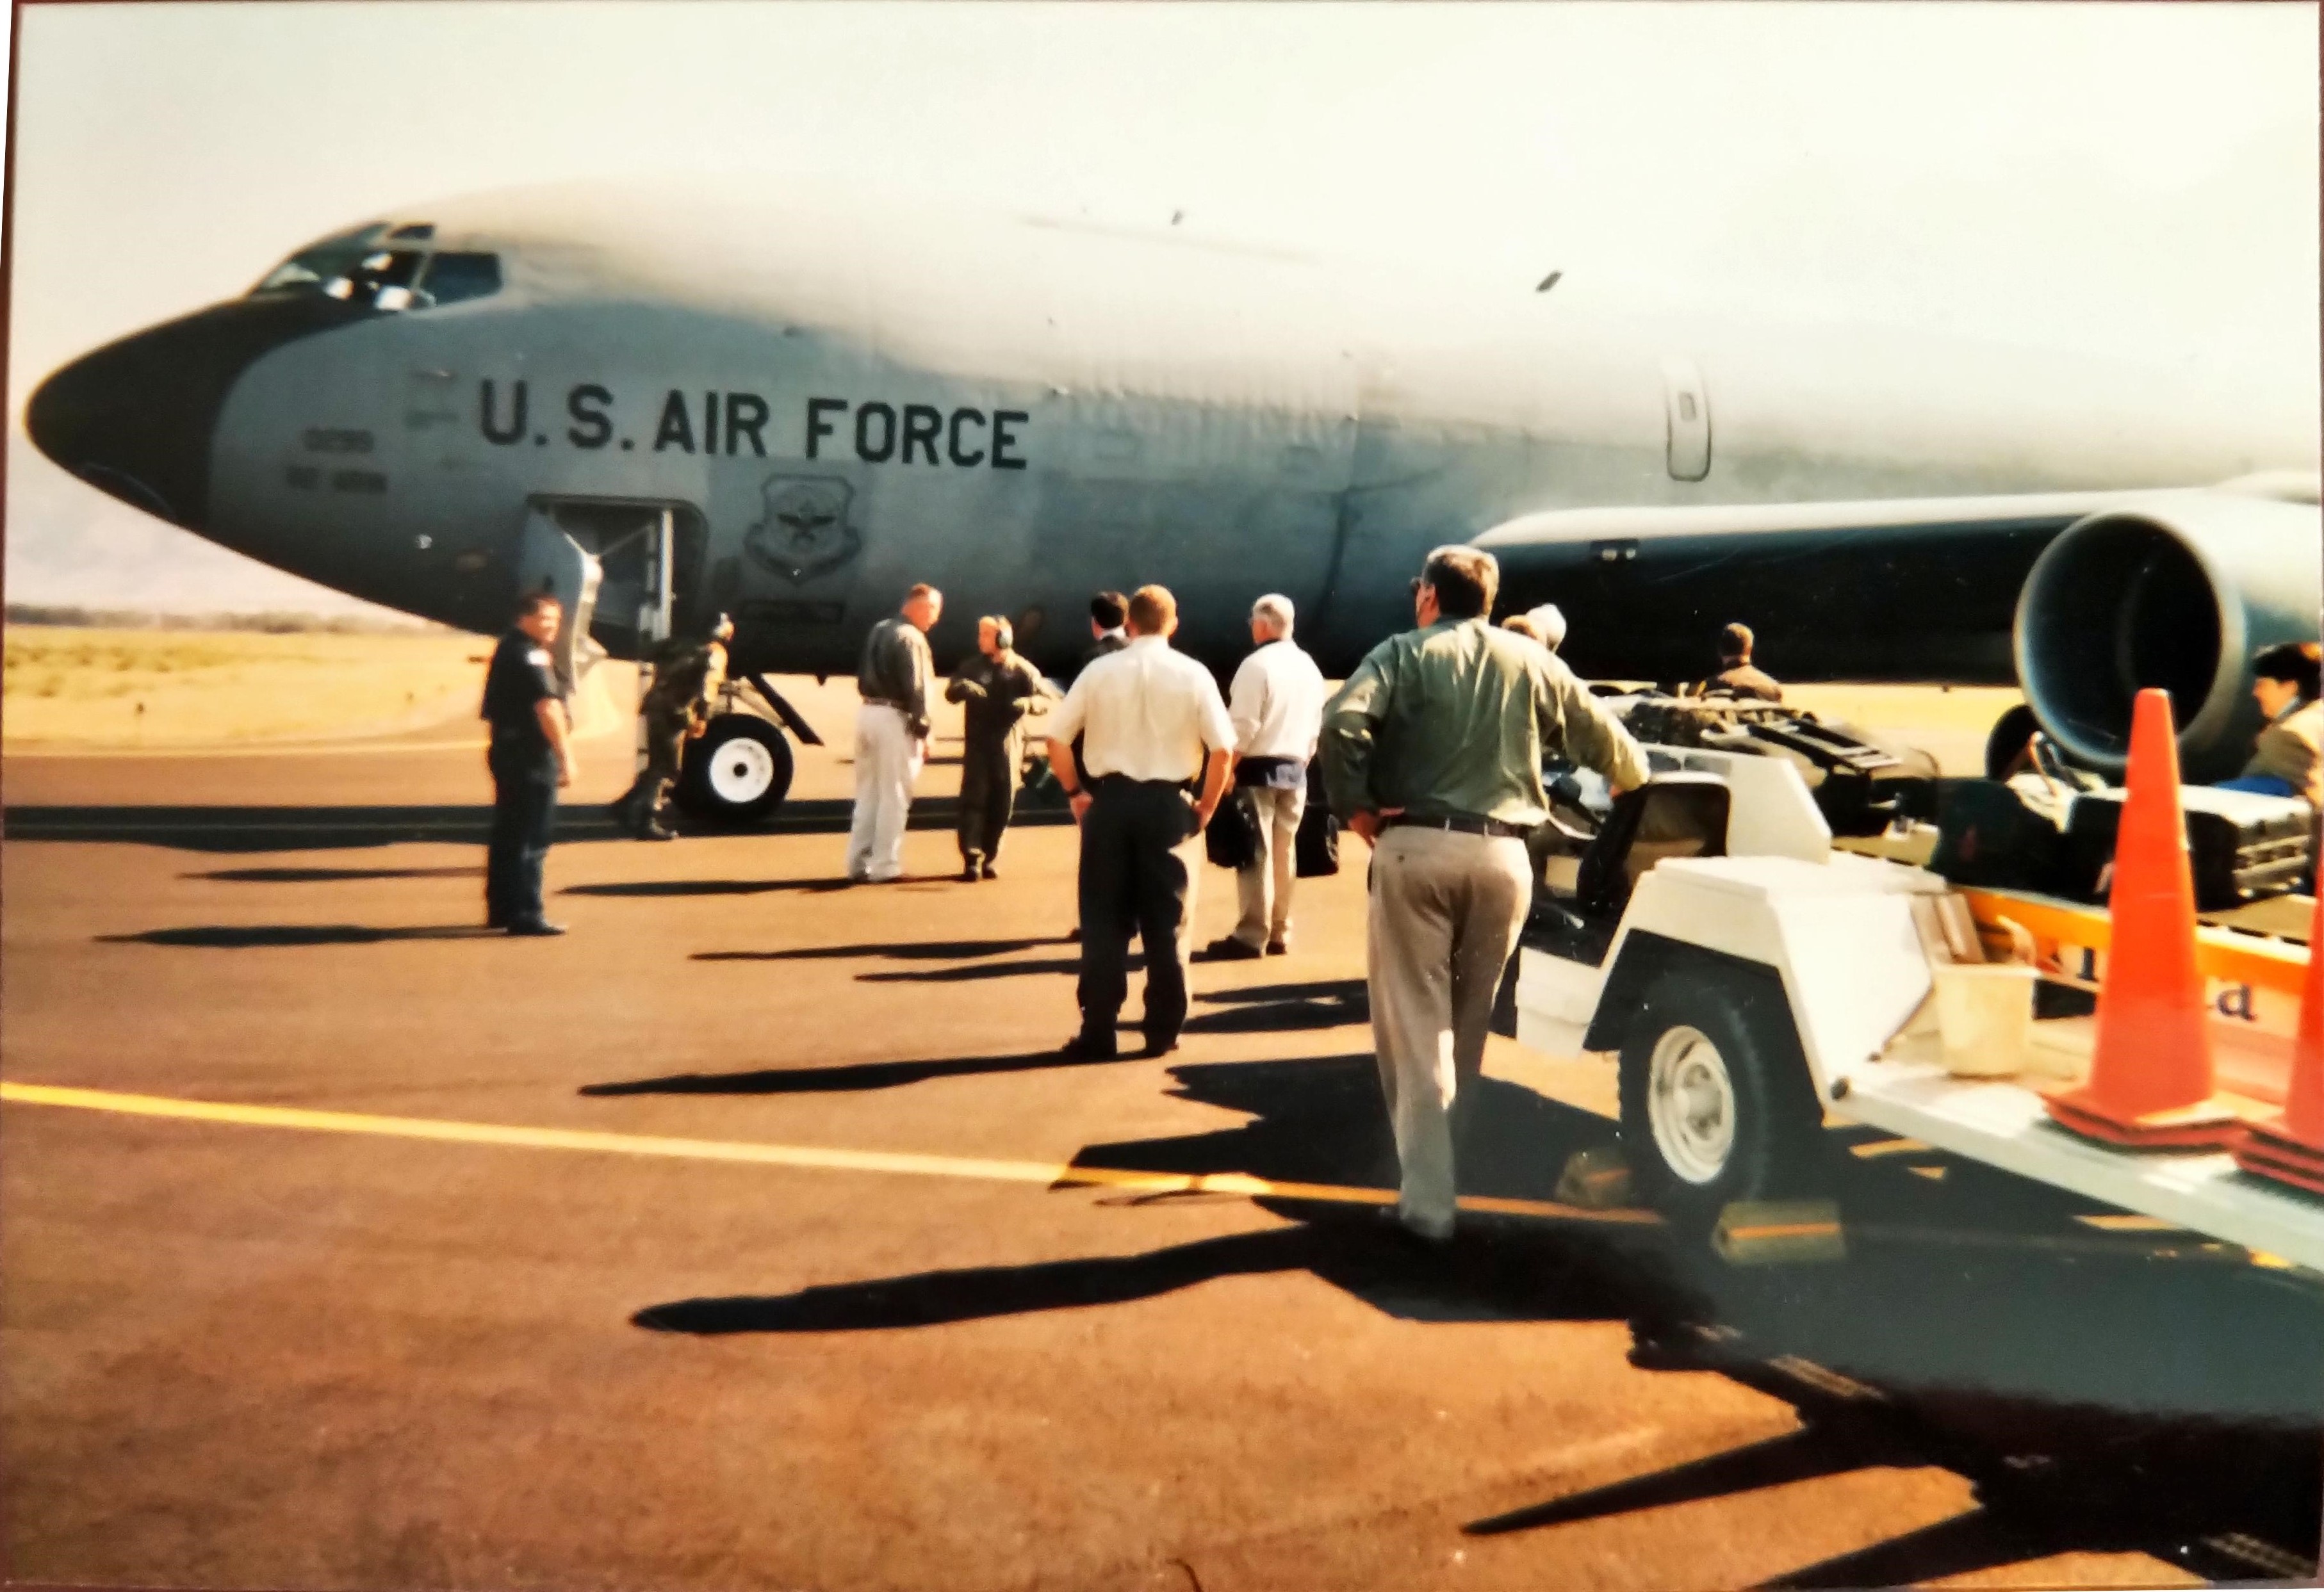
[(730, 425), (325, 439), (309, 478)]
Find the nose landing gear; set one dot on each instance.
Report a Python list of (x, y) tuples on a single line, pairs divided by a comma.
[(738, 772)]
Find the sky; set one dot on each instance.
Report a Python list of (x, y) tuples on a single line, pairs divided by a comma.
[(2094, 177)]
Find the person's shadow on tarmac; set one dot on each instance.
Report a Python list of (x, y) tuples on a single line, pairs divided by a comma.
[(2119, 1396)]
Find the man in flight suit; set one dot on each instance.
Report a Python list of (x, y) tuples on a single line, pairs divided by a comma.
[(530, 756), (687, 673), (1000, 689)]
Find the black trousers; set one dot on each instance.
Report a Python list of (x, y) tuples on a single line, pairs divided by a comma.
[(524, 818), (1133, 876), (988, 794)]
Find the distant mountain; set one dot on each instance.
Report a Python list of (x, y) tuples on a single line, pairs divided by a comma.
[(69, 543)]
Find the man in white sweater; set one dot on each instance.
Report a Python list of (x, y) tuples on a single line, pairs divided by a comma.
[(1277, 703)]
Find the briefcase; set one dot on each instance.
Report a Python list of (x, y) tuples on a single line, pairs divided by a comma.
[(1317, 849), (2243, 846), (1231, 841)]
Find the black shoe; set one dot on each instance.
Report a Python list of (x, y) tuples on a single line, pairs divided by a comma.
[(1086, 1047), (968, 874), (1158, 1047), (535, 927), (1073, 935), (991, 871), (1228, 949), (1278, 948)]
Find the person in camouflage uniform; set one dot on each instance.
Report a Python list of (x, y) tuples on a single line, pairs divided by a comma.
[(689, 673), (1000, 688)]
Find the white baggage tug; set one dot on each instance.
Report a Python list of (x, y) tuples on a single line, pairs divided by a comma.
[(1748, 979)]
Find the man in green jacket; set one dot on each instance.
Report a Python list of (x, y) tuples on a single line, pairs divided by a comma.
[(1432, 753)]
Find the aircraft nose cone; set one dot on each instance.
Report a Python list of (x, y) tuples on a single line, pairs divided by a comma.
[(137, 418), (134, 421)]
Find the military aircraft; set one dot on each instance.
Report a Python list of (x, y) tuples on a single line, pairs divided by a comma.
[(665, 402)]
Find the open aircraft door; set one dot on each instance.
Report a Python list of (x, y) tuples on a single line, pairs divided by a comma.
[(640, 556), (656, 561), (549, 561)]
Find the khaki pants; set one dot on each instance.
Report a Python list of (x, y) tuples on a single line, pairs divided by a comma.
[(1445, 910), (1265, 887), (886, 762)]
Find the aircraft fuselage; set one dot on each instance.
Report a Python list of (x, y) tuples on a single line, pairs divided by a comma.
[(836, 404)]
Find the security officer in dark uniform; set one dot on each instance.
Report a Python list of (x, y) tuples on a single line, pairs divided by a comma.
[(1000, 688), (532, 756), (687, 673)]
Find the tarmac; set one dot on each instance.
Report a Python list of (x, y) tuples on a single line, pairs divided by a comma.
[(752, 1234)]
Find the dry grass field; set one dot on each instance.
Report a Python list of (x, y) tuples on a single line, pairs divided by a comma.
[(156, 688), (68, 687)]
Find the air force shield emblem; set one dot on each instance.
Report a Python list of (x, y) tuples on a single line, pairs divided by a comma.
[(803, 530)]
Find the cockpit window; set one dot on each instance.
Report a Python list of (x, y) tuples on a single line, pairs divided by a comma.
[(389, 268), (316, 265), (452, 277), (364, 267)]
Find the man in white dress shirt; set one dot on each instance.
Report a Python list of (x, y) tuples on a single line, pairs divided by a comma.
[(1277, 703), (1151, 723)]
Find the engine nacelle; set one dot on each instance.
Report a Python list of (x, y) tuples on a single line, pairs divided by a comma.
[(2175, 590)]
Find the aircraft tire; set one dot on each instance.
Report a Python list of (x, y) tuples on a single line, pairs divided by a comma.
[(738, 773), (1716, 1102)]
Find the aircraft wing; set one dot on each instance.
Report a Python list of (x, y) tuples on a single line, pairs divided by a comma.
[(1922, 589)]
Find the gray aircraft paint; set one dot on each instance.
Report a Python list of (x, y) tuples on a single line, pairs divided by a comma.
[(1224, 418)]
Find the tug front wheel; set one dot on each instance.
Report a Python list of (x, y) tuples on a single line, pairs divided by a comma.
[(1716, 1102), (2005, 745), (737, 773)]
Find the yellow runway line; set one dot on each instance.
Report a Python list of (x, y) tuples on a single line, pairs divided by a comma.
[(1048, 1174)]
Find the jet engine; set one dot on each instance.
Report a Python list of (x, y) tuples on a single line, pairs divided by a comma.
[(2175, 590)]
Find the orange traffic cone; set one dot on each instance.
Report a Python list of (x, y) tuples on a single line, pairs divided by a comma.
[(2150, 1085), (2291, 1147)]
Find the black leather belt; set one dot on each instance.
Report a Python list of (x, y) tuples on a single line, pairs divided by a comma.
[(1460, 823), (1124, 782)]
